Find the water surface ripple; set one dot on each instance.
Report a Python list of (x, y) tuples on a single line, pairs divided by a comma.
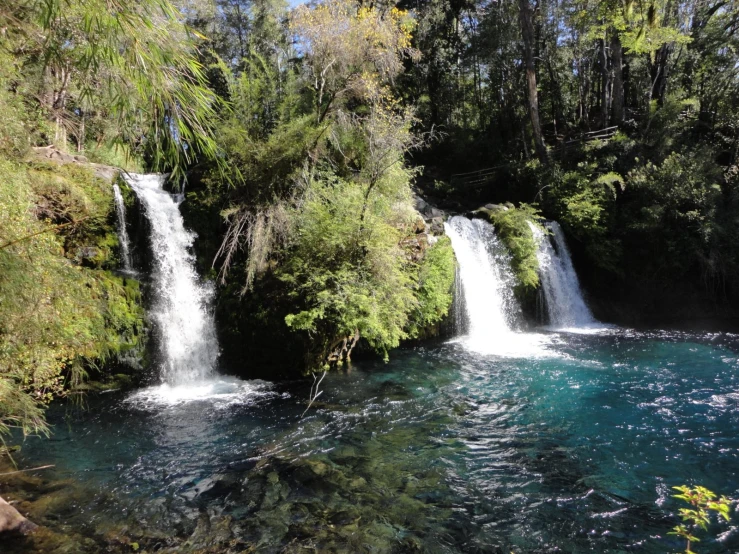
[(440, 450)]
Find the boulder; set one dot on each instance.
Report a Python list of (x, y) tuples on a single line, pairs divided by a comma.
[(11, 521), (487, 210), (419, 225), (431, 212), (87, 253), (437, 225), (426, 209), (419, 203), (415, 246)]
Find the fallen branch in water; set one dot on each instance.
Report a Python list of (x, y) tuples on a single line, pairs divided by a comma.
[(313, 395), (30, 469)]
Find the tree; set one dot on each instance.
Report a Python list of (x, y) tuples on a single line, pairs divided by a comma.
[(351, 52), (526, 18), (132, 61)]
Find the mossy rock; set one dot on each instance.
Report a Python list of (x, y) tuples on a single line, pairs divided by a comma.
[(512, 225)]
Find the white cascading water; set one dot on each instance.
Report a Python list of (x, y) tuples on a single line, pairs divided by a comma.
[(487, 282), (186, 330), (120, 209), (565, 304)]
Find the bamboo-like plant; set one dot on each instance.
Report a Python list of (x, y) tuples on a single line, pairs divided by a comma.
[(132, 64)]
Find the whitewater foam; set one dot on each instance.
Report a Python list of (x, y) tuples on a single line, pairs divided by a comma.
[(220, 392)]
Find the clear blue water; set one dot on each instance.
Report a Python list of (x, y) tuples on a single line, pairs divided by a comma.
[(440, 450)]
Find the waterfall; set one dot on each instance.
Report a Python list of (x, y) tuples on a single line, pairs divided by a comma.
[(125, 243), (491, 310), (485, 277), (565, 305), (186, 330), (459, 321)]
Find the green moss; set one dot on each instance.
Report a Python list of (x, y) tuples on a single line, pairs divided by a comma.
[(435, 287), (512, 226), (61, 314), (123, 312), (73, 196), (129, 196)]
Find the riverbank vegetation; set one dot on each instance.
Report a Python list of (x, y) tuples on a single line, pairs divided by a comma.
[(617, 119), (78, 77), (300, 134), (63, 314)]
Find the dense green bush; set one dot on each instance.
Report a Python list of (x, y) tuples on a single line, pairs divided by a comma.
[(674, 210), (434, 289), (512, 226), (583, 200), (650, 215), (346, 274)]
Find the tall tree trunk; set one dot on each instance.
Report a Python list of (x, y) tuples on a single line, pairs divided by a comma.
[(526, 18), (658, 74), (81, 133), (618, 79), (605, 82), (240, 25)]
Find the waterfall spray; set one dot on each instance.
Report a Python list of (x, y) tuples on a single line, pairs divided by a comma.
[(565, 305), (186, 330), (123, 239)]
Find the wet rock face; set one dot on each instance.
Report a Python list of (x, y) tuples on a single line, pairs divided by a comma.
[(427, 210), (437, 225), (484, 212), (426, 228), (11, 521)]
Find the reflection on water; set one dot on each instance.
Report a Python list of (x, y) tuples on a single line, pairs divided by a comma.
[(441, 450)]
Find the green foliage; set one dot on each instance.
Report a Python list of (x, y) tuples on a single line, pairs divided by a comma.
[(58, 317), (126, 72), (265, 166), (677, 209), (702, 502), (15, 119), (116, 155), (321, 197), (512, 226), (346, 274), (583, 200), (646, 31), (435, 287)]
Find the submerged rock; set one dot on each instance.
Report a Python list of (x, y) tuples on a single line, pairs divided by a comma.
[(11, 521)]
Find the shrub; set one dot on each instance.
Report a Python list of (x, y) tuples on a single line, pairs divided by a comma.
[(512, 226), (434, 290), (57, 318)]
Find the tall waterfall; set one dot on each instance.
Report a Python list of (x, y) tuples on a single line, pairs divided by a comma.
[(120, 209), (186, 330), (491, 310), (565, 304)]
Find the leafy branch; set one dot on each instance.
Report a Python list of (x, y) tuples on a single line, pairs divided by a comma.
[(697, 517)]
